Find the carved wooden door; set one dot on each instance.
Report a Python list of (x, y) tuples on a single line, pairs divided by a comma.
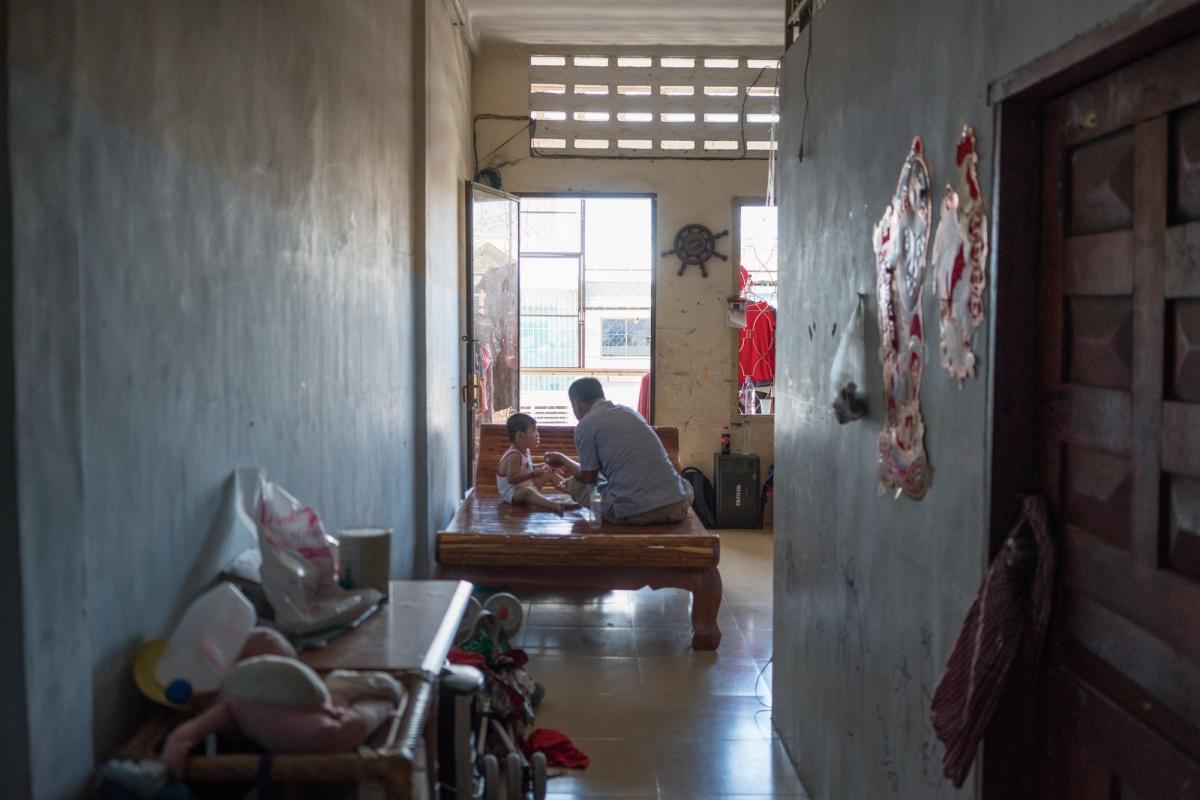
[(1120, 330)]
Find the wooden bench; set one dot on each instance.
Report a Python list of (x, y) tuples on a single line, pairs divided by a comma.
[(520, 548)]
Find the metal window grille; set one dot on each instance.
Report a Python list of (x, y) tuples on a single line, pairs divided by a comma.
[(653, 105)]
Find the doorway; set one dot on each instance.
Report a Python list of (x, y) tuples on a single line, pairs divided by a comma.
[(1101, 307), (586, 300)]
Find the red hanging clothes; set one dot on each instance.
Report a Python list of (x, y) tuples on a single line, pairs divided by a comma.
[(644, 397), (1011, 611), (756, 345)]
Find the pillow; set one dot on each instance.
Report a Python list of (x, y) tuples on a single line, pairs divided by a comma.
[(277, 680)]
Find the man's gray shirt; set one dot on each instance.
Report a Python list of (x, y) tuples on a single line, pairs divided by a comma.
[(617, 442)]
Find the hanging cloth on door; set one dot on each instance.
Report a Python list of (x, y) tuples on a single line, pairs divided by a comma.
[(1012, 609)]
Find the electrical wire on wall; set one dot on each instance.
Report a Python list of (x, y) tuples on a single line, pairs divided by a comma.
[(530, 125)]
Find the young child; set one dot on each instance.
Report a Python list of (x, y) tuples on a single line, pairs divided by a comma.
[(516, 477)]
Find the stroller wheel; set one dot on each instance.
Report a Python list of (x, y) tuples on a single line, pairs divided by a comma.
[(539, 775), (515, 774), (466, 628), (491, 777), (508, 610)]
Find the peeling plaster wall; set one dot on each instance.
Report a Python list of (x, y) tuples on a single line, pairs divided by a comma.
[(212, 268), (870, 591), (694, 348)]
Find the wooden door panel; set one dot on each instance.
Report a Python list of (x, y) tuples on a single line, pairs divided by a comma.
[(1099, 341), (1120, 327), (1112, 755), (1099, 264), (1101, 181), (1181, 546), (1183, 379), (1185, 165), (1182, 276)]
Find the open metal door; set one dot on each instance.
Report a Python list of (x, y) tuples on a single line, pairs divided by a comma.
[(492, 339)]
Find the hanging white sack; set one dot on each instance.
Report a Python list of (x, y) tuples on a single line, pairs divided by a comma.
[(848, 374)]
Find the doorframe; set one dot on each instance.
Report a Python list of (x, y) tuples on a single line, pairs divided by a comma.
[(1014, 401), (654, 263), (467, 338)]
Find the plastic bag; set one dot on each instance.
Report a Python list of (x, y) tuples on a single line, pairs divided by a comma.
[(299, 566), (847, 377)]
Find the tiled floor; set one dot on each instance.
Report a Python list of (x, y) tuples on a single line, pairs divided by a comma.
[(656, 718)]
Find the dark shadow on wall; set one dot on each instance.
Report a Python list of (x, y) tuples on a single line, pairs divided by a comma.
[(14, 755)]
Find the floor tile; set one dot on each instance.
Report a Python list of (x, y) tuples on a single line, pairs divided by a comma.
[(700, 674), (578, 641), (587, 615), (620, 767), (567, 672), (693, 768), (759, 643), (753, 617), (676, 640), (681, 716), (595, 716)]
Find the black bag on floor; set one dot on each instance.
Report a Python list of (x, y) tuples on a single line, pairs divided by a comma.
[(704, 497)]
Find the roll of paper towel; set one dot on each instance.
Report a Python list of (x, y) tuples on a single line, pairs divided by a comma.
[(366, 557)]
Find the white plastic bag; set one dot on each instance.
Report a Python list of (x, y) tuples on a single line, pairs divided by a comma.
[(847, 377), (299, 566)]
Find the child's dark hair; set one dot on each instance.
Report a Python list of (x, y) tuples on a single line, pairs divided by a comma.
[(517, 423)]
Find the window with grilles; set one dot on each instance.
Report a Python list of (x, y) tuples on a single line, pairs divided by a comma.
[(653, 105)]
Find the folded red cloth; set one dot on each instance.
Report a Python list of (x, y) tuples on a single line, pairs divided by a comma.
[(559, 750)]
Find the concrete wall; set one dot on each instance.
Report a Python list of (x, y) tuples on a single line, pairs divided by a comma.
[(446, 135), (694, 349), (870, 591), (212, 267)]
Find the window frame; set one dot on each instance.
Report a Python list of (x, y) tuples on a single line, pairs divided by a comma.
[(654, 260), (739, 203)]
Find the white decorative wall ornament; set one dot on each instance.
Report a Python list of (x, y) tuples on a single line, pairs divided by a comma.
[(901, 241), (960, 251)]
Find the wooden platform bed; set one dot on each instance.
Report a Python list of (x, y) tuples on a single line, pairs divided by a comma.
[(517, 548)]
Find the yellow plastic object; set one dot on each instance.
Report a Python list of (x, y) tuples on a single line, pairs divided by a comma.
[(143, 673)]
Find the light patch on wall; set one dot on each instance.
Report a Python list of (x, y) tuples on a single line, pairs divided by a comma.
[(762, 118), (548, 144), (762, 63), (677, 144), (591, 144), (720, 144), (548, 88), (721, 63), (591, 116), (634, 91), (635, 144), (720, 116), (635, 61), (675, 62), (677, 116), (554, 116), (590, 61), (591, 88), (763, 91), (721, 91), (762, 145), (635, 116), (548, 61), (677, 91)]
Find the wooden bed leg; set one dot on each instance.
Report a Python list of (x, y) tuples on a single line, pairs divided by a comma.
[(706, 602)]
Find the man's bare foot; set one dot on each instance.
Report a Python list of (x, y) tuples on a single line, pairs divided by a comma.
[(559, 508), (570, 505)]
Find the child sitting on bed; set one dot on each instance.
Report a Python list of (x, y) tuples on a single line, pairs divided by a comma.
[(516, 477)]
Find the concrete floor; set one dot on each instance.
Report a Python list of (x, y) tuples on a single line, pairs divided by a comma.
[(657, 719)]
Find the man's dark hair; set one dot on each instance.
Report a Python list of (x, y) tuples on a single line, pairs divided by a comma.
[(586, 390), (517, 423)]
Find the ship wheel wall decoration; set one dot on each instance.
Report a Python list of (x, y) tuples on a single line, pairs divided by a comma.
[(696, 244)]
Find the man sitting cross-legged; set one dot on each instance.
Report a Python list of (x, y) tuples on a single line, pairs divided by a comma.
[(640, 486)]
